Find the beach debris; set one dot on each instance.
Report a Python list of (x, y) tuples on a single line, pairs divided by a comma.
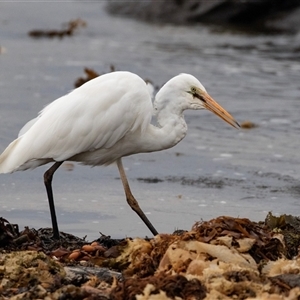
[(288, 227), (90, 74), (8, 232), (224, 258), (68, 166), (67, 30), (160, 287), (22, 272), (248, 125), (2, 50)]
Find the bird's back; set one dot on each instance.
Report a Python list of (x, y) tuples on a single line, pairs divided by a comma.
[(94, 116)]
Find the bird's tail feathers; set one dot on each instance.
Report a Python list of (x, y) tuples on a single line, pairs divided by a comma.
[(8, 161)]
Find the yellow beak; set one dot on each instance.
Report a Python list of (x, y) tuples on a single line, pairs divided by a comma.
[(211, 105)]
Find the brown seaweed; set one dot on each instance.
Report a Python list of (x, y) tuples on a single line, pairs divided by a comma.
[(67, 30)]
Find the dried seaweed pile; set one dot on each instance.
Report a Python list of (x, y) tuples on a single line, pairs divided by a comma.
[(225, 258)]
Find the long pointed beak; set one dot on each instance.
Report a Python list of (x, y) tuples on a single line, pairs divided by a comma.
[(211, 105)]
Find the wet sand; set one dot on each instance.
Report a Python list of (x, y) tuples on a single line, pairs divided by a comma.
[(216, 170)]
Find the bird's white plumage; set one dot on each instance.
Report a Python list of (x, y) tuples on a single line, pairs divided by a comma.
[(108, 118), (94, 116), (102, 121)]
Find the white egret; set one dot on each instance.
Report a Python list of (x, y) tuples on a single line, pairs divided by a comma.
[(102, 121)]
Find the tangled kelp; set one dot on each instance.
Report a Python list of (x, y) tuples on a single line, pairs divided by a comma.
[(224, 258)]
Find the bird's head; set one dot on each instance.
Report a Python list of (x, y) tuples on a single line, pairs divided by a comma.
[(193, 95)]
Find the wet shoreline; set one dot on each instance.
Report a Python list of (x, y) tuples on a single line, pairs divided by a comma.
[(256, 78)]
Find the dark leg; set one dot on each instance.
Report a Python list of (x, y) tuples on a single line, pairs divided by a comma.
[(48, 183), (131, 200)]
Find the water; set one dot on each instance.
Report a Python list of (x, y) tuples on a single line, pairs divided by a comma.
[(216, 170)]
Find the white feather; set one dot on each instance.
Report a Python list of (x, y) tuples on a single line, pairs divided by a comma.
[(105, 119), (102, 121), (96, 115)]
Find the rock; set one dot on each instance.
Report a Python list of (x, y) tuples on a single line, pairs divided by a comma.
[(248, 14), (78, 274)]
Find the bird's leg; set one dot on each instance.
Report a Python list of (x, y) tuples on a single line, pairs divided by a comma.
[(131, 200), (48, 183)]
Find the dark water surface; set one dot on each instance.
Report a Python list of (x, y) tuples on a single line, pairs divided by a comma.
[(216, 170)]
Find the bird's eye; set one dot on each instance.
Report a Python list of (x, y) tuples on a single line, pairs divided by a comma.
[(193, 90)]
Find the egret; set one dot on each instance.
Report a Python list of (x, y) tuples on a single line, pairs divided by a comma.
[(104, 120)]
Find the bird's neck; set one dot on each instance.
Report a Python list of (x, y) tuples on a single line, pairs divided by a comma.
[(171, 130)]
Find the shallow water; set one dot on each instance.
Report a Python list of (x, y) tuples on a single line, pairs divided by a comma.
[(216, 170)]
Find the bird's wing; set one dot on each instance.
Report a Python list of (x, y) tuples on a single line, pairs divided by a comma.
[(96, 115), (26, 127)]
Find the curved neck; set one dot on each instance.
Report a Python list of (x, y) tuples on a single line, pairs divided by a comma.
[(172, 129)]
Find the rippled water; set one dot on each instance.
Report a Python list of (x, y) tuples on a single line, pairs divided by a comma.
[(216, 170)]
